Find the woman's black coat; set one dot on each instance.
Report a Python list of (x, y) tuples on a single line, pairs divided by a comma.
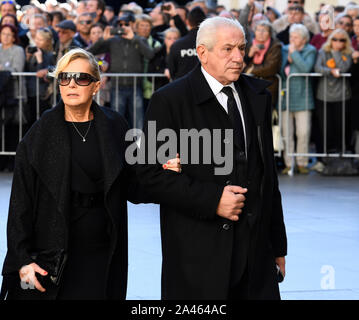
[(40, 197)]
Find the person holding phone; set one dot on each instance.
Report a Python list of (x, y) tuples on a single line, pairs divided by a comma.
[(264, 57), (127, 51)]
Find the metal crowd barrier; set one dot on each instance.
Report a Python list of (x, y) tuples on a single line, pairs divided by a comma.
[(152, 76), (22, 98), (314, 154)]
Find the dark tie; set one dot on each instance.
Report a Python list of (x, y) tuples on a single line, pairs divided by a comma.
[(235, 118)]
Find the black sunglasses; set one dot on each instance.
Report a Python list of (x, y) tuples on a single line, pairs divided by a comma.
[(81, 78), (340, 40), (347, 24), (122, 24)]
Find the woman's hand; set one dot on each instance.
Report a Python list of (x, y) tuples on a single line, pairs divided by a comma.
[(38, 55), (173, 164), (107, 33), (252, 51), (335, 72), (27, 275), (42, 73)]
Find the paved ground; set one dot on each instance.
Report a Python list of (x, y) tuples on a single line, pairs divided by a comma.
[(322, 220)]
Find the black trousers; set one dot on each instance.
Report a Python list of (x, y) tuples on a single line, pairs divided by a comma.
[(334, 122)]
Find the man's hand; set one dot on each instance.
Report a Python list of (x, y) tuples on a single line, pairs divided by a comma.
[(172, 9), (231, 203), (128, 33), (280, 262)]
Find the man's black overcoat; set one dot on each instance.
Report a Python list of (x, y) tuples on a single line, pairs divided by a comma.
[(197, 243)]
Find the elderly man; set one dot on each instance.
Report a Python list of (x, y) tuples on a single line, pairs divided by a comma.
[(222, 231), (66, 32)]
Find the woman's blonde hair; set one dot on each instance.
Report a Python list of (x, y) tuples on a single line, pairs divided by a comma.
[(47, 35), (327, 46), (75, 54)]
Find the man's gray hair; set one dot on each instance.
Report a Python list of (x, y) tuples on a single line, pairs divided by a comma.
[(206, 34), (300, 29)]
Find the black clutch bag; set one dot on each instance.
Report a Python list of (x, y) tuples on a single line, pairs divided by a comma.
[(52, 261)]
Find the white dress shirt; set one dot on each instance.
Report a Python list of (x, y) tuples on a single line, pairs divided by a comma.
[(222, 98)]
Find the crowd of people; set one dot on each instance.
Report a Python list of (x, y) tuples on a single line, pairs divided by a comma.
[(162, 40)]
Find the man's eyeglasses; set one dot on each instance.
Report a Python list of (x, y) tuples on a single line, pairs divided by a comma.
[(340, 40), (85, 22), (81, 78)]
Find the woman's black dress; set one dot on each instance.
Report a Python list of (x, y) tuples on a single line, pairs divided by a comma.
[(85, 273)]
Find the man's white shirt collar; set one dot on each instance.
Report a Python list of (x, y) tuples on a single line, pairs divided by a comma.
[(214, 84)]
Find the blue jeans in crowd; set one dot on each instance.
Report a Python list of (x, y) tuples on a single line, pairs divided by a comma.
[(126, 104)]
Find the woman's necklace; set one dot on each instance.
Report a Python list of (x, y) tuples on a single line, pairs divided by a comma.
[(77, 130)]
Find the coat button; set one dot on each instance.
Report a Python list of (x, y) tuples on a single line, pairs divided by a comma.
[(226, 226), (242, 154), (249, 214), (229, 182), (226, 141)]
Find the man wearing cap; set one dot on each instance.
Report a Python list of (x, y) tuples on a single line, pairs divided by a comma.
[(272, 14), (127, 51), (67, 31)]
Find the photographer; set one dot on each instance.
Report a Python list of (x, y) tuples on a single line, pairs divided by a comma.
[(127, 52), (38, 59), (160, 22), (175, 19)]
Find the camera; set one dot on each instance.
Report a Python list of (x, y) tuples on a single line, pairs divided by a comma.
[(31, 49), (117, 31), (165, 7), (260, 46)]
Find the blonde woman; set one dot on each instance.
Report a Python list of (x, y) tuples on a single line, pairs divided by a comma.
[(67, 225), (333, 59), (38, 59)]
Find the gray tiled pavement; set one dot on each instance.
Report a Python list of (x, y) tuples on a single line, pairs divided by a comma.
[(322, 220)]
